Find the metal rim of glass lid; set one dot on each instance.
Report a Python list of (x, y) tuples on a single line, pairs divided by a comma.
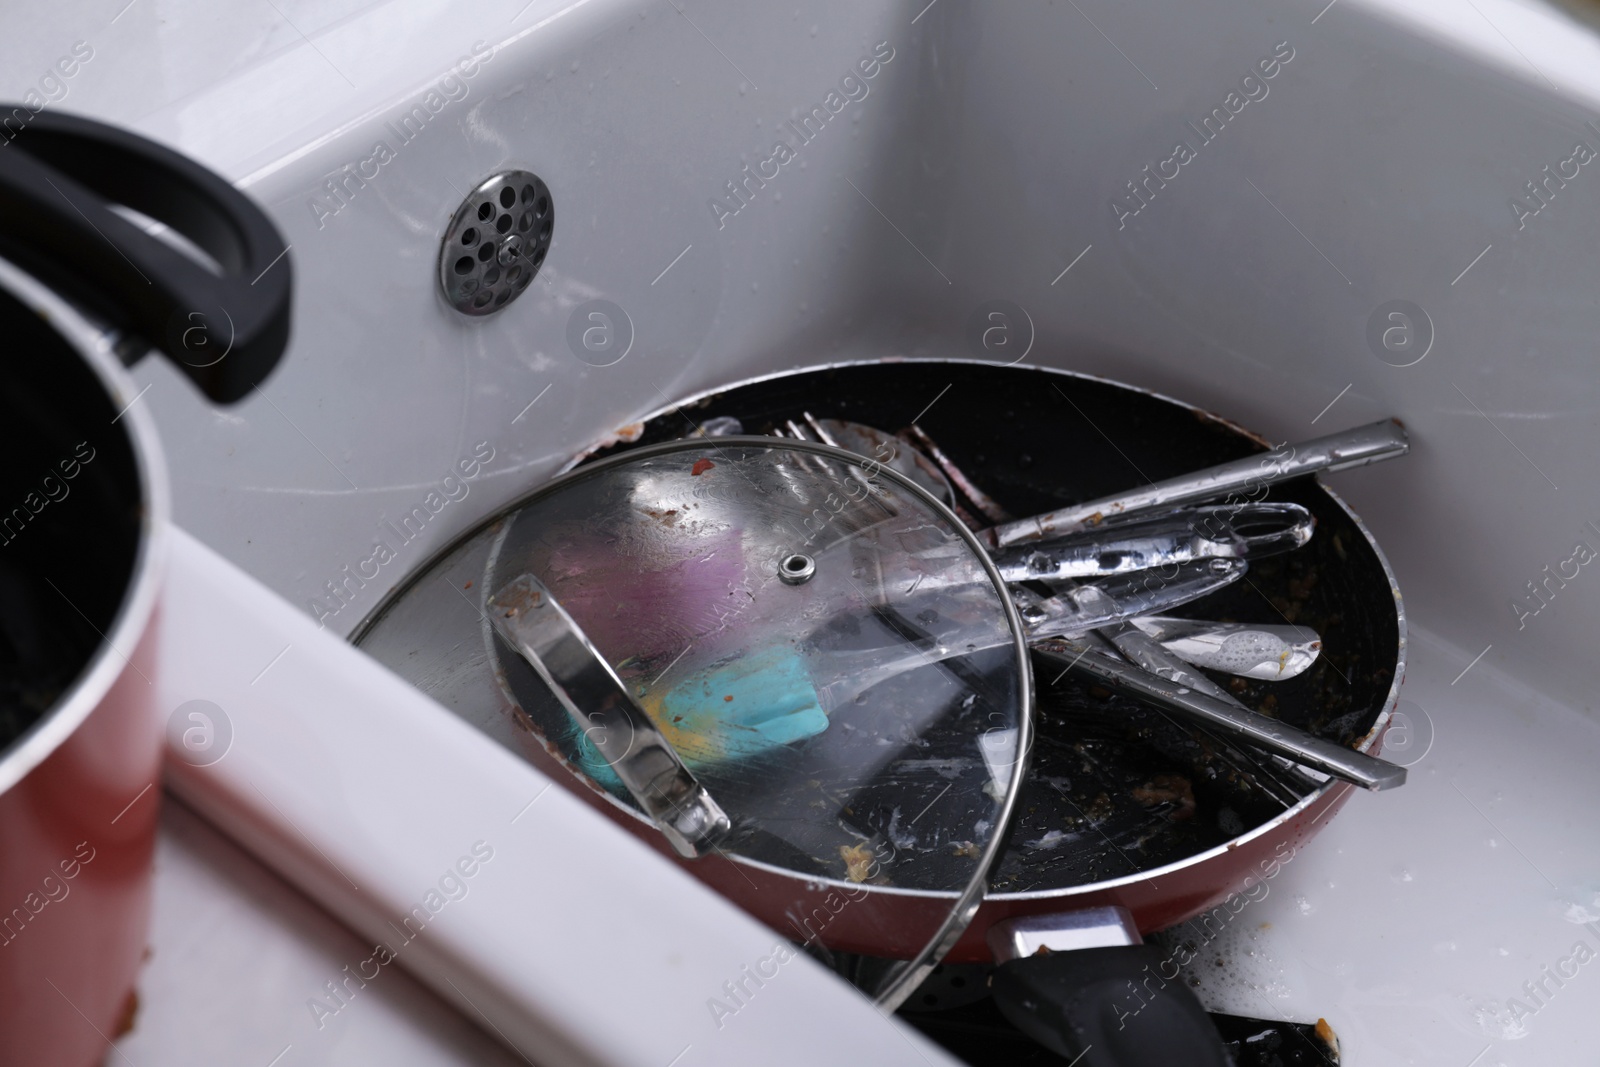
[(808, 639)]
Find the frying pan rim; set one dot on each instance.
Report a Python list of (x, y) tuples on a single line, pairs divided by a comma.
[(1328, 792)]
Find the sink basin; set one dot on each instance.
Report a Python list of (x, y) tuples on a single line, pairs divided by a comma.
[(1301, 218)]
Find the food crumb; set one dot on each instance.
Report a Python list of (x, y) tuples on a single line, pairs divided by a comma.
[(857, 861), (728, 697), (701, 465), (129, 1017), (1172, 789), (1325, 1032)]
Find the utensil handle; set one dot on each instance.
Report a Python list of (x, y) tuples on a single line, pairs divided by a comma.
[(1233, 720), (1108, 1007), (1251, 531), (1076, 608), (58, 177), (1336, 452), (528, 619)]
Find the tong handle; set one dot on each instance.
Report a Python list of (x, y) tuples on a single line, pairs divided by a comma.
[(1078, 608), (1336, 452), (1244, 531)]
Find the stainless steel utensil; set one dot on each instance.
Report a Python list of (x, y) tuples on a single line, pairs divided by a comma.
[(1248, 476), (1249, 531), (1264, 651), (1078, 607), (1197, 699), (1074, 611)]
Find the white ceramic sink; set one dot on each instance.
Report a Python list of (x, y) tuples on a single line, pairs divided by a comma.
[(988, 157)]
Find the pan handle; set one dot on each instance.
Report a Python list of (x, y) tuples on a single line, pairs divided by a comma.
[(59, 176), (1082, 985), (1107, 1007)]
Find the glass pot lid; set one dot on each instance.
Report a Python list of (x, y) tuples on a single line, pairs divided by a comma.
[(777, 651)]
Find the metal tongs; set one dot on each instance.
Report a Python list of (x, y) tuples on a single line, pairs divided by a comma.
[(1144, 667), (1125, 541), (1141, 542), (1336, 452)]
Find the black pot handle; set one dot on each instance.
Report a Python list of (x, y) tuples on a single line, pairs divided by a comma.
[(1108, 1007), (58, 176)]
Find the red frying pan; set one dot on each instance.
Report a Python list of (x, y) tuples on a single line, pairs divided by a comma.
[(1071, 855)]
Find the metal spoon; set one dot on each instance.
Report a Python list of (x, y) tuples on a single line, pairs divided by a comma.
[(1265, 651)]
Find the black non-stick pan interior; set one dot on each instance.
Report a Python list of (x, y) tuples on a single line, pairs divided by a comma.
[(1115, 788)]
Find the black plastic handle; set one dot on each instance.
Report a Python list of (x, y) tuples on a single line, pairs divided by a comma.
[(59, 174), (1108, 1007)]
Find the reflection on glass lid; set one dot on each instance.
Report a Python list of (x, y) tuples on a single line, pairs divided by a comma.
[(817, 641)]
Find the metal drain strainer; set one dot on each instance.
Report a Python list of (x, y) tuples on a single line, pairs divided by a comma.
[(496, 242)]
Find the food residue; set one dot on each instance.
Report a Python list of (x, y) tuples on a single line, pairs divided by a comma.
[(857, 861), (1329, 1038), (1171, 789), (701, 465), (728, 697)]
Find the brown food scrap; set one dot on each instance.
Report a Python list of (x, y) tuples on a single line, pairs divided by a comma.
[(1237, 684), (701, 465), (1102, 808), (129, 1016), (1173, 789), (857, 861), (467, 586), (1269, 705), (966, 848), (728, 697), (1328, 1037), (1300, 586)]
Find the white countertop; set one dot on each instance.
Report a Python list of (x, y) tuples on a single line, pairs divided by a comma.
[(235, 954)]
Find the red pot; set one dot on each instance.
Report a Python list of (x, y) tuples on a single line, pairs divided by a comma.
[(80, 791), (83, 520)]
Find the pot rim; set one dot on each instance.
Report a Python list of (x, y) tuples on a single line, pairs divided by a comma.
[(109, 661)]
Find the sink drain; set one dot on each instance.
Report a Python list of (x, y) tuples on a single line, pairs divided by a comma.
[(496, 242)]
